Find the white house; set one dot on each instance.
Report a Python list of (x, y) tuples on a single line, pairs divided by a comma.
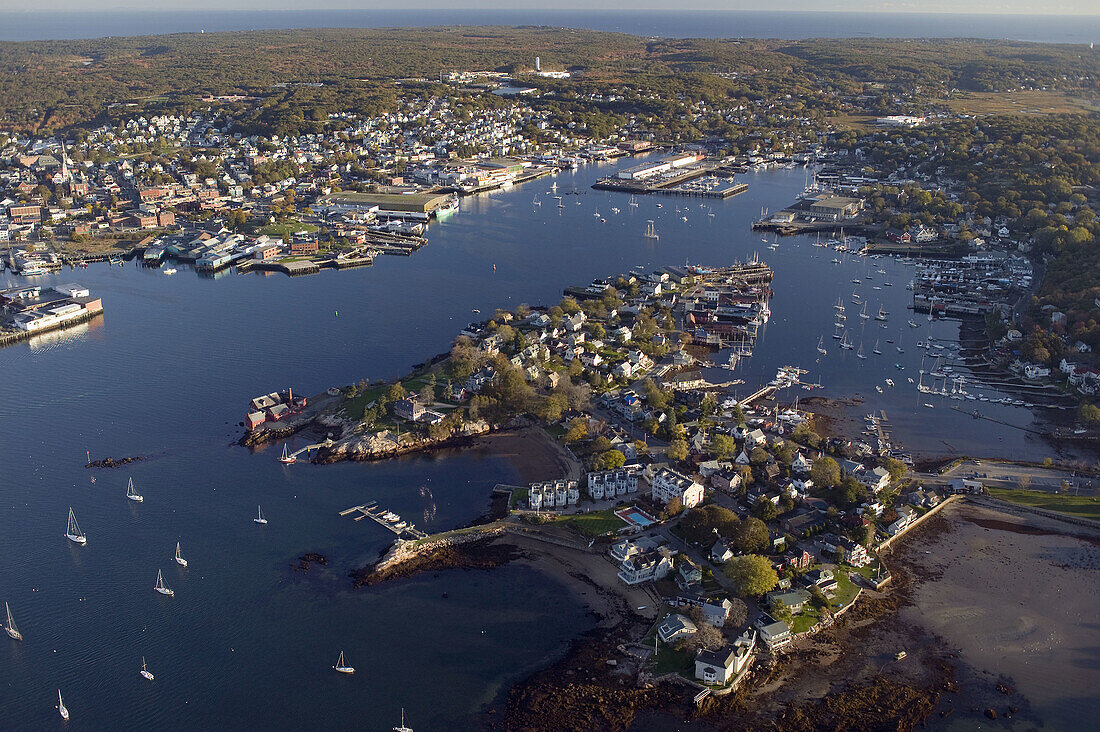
[(646, 567), (774, 634), (607, 484), (667, 484), (675, 626), (719, 667)]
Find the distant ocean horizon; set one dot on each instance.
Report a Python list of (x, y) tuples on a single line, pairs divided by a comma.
[(60, 25)]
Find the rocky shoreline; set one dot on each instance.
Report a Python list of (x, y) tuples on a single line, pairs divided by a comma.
[(471, 550), (109, 462)]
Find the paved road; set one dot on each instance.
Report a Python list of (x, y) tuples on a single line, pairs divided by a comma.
[(1007, 475)]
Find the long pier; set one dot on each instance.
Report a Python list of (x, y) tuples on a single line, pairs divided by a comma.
[(372, 511)]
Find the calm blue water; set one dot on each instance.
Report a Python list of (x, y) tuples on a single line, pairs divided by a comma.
[(36, 25), (167, 372)]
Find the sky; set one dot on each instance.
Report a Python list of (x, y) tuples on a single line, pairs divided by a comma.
[(1051, 7)]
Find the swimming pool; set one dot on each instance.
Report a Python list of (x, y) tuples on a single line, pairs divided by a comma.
[(635, 516)]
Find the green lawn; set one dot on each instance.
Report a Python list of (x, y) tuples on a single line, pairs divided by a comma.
[(808, 619), (845, 592), (354, 407), (1085, 506), (594, 524), (287, 227), (671, 660), (519, 495)]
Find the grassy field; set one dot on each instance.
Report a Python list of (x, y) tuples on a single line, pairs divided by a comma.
[(1017, 102), (1085, 506), (594, 524), (287, 227), (671, 660)]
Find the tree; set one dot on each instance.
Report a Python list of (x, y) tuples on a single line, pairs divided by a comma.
[(610, 460), (825, 472), (705, 638), (1023, 482), (895, 467), (739, 613), (752, 575), (700, 524), (764, 510), (395, 393), (675, 507), (578, 430), (723, 446), (677, 450), (752, 536)]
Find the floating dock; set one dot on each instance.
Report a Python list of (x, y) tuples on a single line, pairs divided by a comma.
[(373, 512)]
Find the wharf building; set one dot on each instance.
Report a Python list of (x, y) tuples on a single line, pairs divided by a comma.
[(35, 309)]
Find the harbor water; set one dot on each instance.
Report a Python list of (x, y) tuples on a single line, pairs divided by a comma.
[(248, 640)]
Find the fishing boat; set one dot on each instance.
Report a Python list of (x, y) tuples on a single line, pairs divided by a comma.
[(179, 557), (342, 665), (161, 587), (144, 671), (286, 458), (402, 728), (131, 493), (73, 532), (259, 516), (61, 706), (170, 271), (889, 382), (10, 628), (876, 350)]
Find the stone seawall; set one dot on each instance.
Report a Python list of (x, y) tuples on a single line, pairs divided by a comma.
[(465, 550)]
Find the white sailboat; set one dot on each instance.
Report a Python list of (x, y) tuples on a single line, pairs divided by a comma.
[(132, 494), (859, 353), (161, 587), (342, 665), (73, 532), (402, 728), (876, 350), (845, 343), (259, 516), (144, 671), (881, 313), (61, 706), (179, 557), (632, 201), (286, 458), (863, 313), (821, 346), (650, 230), (10, 628)]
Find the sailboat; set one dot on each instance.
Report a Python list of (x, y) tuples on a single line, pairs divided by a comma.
[(10, 628), (877, 351), (821, 346), (179, 557), (881, 313), (342, 665), (61, 706), (632, 201), (859, 353), (73, 532), (259, 516), (144, 671), (132, 494), (161, 587), (402, 728), (845, 343), (286, 458), (650, 230), (863, 313)]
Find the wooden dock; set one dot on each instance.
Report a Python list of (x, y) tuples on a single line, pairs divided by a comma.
[(372, 511)]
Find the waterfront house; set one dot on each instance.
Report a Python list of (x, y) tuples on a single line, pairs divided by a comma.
[(647, 566), (674, 627), (906, 516), (876, 479), (792, 600), (721, 666), (716, 613), (667, 484), (774, 633), (608, 484), (823, 579), (409, 409)]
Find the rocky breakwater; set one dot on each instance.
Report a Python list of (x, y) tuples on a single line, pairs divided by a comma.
[(386, 444), (465, 550)]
